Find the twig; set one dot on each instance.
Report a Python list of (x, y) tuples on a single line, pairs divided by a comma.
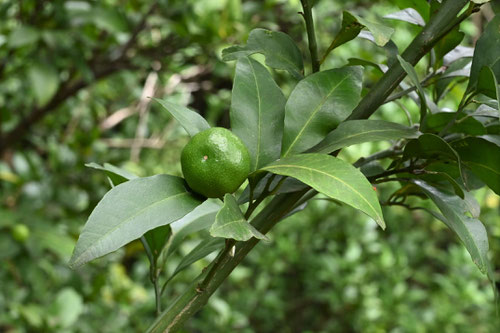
[(377, 156), (311, 35), (117, 117), (440, 24), (191, 301), (143, 107)]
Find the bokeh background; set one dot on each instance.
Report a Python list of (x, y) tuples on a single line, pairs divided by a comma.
[(75, 77)]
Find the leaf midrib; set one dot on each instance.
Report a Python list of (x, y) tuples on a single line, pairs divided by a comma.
[(259, 113)]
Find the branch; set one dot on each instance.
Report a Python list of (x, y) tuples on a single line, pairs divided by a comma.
[(68, 89), (71, 87), (193, 300), (311, 35), (440, 24)]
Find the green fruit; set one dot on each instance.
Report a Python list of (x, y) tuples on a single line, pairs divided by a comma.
[(20, 232), (215, 162)]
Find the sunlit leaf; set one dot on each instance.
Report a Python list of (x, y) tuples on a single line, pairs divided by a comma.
[(257, 111), (317, 105), (359, 131), (280, 51), (461, 216), (483, 158), (230, 223), (333, 177), (128, 211), (192, 121)]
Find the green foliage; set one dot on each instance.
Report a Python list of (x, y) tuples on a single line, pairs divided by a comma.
[(77, 81)]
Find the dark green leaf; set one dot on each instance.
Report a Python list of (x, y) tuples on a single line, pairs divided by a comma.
[(204, 248), (317, 105), (257, 112), (230, 223), (421, 6), (408, 68), (487, 52), (192, 121), (200, 218), (464, 124), (483, 158), (359, 131), (446, 44), (349, 29), (128, 211), (333, 177), (156, 240), (492, 138), (487, 84), (430, 146), (409, 15), (44, 82), (278, 48), (381, 33), (461, 217), (115, 174), (24, 35)]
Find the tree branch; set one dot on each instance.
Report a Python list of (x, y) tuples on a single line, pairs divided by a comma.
[(440, 24), (192, 300), (311, 35), (71, 87)]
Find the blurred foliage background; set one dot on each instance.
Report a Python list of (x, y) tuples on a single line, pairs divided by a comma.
[(75, 77)]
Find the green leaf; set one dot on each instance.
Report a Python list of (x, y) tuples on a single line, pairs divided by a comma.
[(381, 33), (486, 53), (487, 84), (67, 307), (156, 240), (200, 218), (359, 131), (203, 249), (465, 123), (491, 138), (422, 7), (431, 146), (44, 82), (349, 29), (24, 35), (128, 211), (446, 44), (109, 19), (334, 178), (461, 217), (408, 68), (257, 112), (483, 158), (192, 121), (317, 105), (409, 15), (230, 223), (278, 48), (115, 174)]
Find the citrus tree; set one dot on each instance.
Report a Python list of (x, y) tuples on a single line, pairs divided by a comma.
[(285, 150)]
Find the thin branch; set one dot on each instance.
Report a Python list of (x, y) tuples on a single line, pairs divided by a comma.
[(311, 35), (147, 92), (440, 24), (173, 318), (377, 156)]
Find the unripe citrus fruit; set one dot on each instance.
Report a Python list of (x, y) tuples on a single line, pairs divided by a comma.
[(215, 162), (20, 232)]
